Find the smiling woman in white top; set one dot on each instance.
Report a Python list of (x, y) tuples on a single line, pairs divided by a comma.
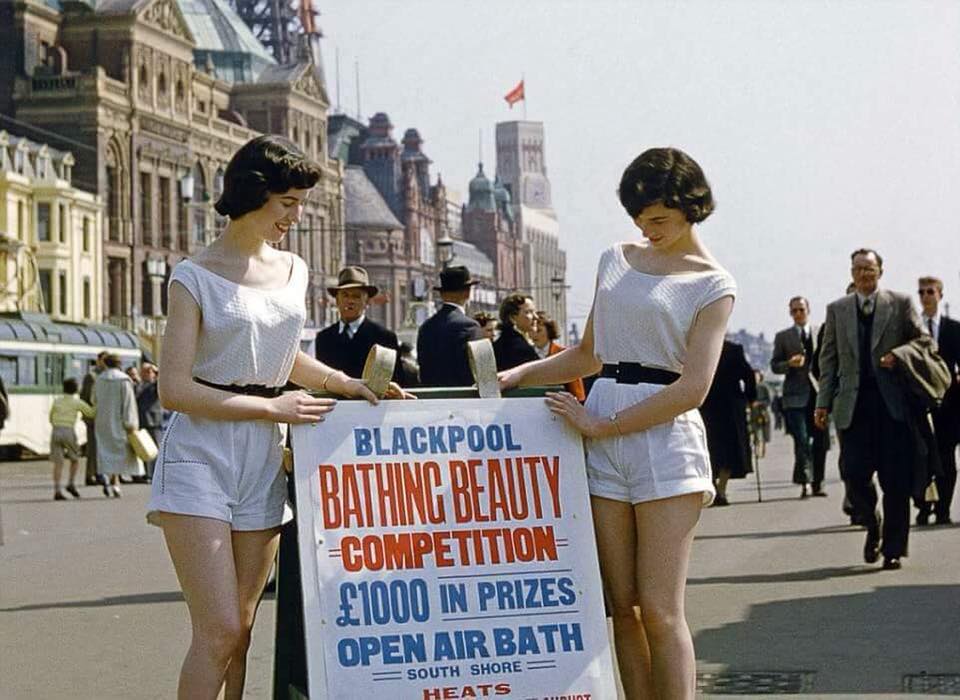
[(236, 311), (654, 333)]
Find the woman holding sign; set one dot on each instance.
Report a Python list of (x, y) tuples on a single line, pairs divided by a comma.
[(655, 331), (236, 311)]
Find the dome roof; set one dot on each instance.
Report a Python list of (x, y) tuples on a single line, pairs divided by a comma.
[(481, 192)]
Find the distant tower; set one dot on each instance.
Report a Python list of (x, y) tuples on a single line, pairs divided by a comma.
[(277, 24)]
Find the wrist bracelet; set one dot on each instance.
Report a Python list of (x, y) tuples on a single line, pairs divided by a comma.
[(323, 385)]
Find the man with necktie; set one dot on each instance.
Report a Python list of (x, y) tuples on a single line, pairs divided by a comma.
[(869, 405), (345, 344), (793, 352), (946, 418)]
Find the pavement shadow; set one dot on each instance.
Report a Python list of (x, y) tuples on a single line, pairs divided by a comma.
[(830, 529), (109, 601), (830, 572), (860, 643)]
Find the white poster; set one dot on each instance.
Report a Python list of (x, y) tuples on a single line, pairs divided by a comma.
[(447, 551)]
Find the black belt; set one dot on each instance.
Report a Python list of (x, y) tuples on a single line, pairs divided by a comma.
[(267, 392), (635, 373)]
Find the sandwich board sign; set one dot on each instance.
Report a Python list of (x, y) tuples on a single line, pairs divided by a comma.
[(447, 551)]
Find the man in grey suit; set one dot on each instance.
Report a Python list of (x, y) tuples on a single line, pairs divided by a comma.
[(868, 404), (793, 352)]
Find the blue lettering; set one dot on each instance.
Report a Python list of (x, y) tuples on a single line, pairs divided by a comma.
[(455, 434), (475, 438), (418, 440), (568, 595), (435, 433), (486, 592), (377, 444), (508, 435), (400, 442), (494, 438), (361, 442)]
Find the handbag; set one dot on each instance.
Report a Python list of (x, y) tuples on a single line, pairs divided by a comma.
[(143, 445)]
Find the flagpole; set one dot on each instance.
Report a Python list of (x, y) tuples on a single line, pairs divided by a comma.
[(523, 79)]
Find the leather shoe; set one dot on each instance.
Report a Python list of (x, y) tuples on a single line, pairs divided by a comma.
[(72, 490), (923, 518), (892, 563), (871, 547), (720, 501), (944, 520), (804, 493), (819, 493)]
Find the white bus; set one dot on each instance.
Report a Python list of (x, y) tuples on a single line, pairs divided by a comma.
[(36, 355)]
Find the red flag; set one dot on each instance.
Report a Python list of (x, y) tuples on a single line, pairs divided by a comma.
[(514, 95)]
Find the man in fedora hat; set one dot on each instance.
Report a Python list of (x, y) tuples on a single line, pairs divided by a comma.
[(344, 345), (442, 340)]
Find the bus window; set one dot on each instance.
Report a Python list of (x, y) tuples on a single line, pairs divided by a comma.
[(26, 371), (8, 370), (51, 370)]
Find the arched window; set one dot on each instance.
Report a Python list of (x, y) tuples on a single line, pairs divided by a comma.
[(179, 90), (162, 84), (144, 77), (218, 184)]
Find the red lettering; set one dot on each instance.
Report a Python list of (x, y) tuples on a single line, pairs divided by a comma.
[(329, 496)]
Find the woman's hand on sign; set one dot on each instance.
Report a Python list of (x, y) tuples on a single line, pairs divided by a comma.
[(565, 405), (395, 391), (355, 388), (509, 378), (298, 407)]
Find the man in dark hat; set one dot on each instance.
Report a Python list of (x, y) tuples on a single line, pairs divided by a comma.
[(442, 340), (345, 344)]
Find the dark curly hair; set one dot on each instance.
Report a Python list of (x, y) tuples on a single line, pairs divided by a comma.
[(264, 165), (666, 175), (510, 306)]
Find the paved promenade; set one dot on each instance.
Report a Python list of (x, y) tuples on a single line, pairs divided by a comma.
[(779, 598)]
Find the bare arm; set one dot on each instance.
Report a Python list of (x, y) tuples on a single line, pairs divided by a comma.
[(178, 391), (572, 363), (688, 392)]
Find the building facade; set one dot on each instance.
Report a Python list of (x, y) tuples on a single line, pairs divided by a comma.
[(521, 165), (51, 247), (390, 178), (158, 95)]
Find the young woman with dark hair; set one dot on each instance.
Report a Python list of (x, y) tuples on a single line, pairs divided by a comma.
[(236, 311), (655, 332), (518, 318)]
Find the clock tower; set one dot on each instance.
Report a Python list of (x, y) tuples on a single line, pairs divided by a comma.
[(521, 164)]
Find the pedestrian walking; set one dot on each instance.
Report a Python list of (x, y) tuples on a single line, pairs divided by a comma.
[(442, 339), (654, 332), (150, 410), (760, 416), (794, 351), (518, 317), (115, 419), (724, 414), (868, 403), (946, 417), (236, 313), (63, 436), (86, 393)]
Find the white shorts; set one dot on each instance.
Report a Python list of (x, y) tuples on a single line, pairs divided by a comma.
[(666, 460), (228, 470)]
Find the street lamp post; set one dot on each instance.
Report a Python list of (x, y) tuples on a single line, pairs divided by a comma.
[(157, 271), (445, 249)]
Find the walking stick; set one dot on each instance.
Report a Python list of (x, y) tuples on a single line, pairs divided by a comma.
[(756, 469)]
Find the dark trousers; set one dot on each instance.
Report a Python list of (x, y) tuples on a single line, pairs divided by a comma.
[(945, 429), (91, 452), (821, 445), (875, 443), (799, 429)]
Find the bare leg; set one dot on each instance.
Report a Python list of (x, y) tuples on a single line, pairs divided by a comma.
[(202, 554), (57, 475), (74, 467), (723, 476), (253, 553), (665, 531), (616, 546)]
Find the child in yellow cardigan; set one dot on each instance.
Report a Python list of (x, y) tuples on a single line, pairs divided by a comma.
[(63, 438)]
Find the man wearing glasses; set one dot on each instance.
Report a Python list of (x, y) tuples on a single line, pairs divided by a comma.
[(946, 418), (868, 404)]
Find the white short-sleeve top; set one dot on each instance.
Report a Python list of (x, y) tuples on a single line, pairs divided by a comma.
[(247, 335), (646, 318)]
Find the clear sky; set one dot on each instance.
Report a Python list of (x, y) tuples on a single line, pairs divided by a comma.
[(822, 126)]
